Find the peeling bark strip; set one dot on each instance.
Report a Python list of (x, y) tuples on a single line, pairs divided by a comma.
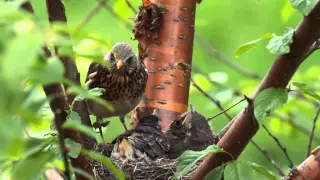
[(239, 134), (166, 45), (309, 169)]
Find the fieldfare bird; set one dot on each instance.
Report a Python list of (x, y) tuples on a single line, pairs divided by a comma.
[(190, 131), (124, 81), (145, 141)]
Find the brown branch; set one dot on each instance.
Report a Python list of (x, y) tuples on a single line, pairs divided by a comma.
[(58, 105), (56, 13), (115, 15), (312, 131), (227, 127), (220, 57), (283, 149), (267, 155), (278, 77), (222, 112), (309, 169), (131, 7), (215, 101), (91, 14), (296, 126)]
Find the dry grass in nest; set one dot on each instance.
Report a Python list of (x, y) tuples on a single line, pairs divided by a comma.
[(160, 169)]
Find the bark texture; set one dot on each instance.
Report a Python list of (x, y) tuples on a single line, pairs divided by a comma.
[(167, 51), (281, 72)]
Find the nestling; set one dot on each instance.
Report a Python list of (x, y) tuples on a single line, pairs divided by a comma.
[(145, 141), (124, 82), (190, 131)]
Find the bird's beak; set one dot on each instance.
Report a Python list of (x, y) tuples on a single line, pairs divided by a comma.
[(120, 64), (185, 121)]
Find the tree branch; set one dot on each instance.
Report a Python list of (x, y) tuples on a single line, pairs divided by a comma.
[(309, 169), (91, 14), (220, 57), (215, 101), (278, 77), (284, 150), (55, 93), (312, 131), (227, 127)]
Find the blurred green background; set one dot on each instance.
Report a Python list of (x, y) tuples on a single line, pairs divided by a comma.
[(225, 25)]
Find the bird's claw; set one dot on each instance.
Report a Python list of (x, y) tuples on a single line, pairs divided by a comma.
[(97, 124)]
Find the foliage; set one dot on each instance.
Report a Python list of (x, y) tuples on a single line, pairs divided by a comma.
[(190, 158), (24, 69), (303, 6), (238, 170), (281, 44), (250, 45), (267, 101)]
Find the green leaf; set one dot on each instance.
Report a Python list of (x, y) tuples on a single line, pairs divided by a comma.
[(82, 173), (303, 88), (85, 94), (262, 170), (20, 56), (35, 145), (106, 162), (190, 158), (51, 72), (250, 45), (267, 101), (215, 174), (95, 92), (238, 170), (74, 123), (30, 168), (281, 44), (73, 147), (303, 6)]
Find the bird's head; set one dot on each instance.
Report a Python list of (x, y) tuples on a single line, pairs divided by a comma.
[(122, 59)]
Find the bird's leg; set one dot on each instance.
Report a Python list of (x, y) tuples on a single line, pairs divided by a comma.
[(122, 119), (99, 125)]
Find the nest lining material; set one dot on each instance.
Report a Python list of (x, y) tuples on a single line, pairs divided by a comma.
[(160, 169)]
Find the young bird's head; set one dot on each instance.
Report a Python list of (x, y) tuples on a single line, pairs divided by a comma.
[(122, 59)]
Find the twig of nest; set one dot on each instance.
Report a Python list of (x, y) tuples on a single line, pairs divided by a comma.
[(160, 169)]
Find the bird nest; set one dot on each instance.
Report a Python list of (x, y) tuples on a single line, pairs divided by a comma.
[(160, 169)]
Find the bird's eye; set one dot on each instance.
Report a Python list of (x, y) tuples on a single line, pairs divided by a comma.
[(112, 58), (129, 60)]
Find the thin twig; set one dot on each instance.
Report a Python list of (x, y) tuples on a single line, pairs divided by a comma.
[(115, 15), (215, 101), (219, 56), (312, 131), (284, 150), (296, 126), (131, 7), (264, 152), (91, 14), (208, 119)]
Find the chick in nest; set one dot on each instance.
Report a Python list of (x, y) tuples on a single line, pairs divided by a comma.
[(145, 141), (190, 131)]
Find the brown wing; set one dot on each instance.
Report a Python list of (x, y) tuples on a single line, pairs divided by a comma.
[(94, 66)]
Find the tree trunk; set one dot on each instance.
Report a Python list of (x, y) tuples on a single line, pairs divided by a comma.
[(167, 54)]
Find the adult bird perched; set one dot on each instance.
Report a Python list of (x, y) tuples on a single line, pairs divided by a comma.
[(124, 83), (190, 131), (145, 141)]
